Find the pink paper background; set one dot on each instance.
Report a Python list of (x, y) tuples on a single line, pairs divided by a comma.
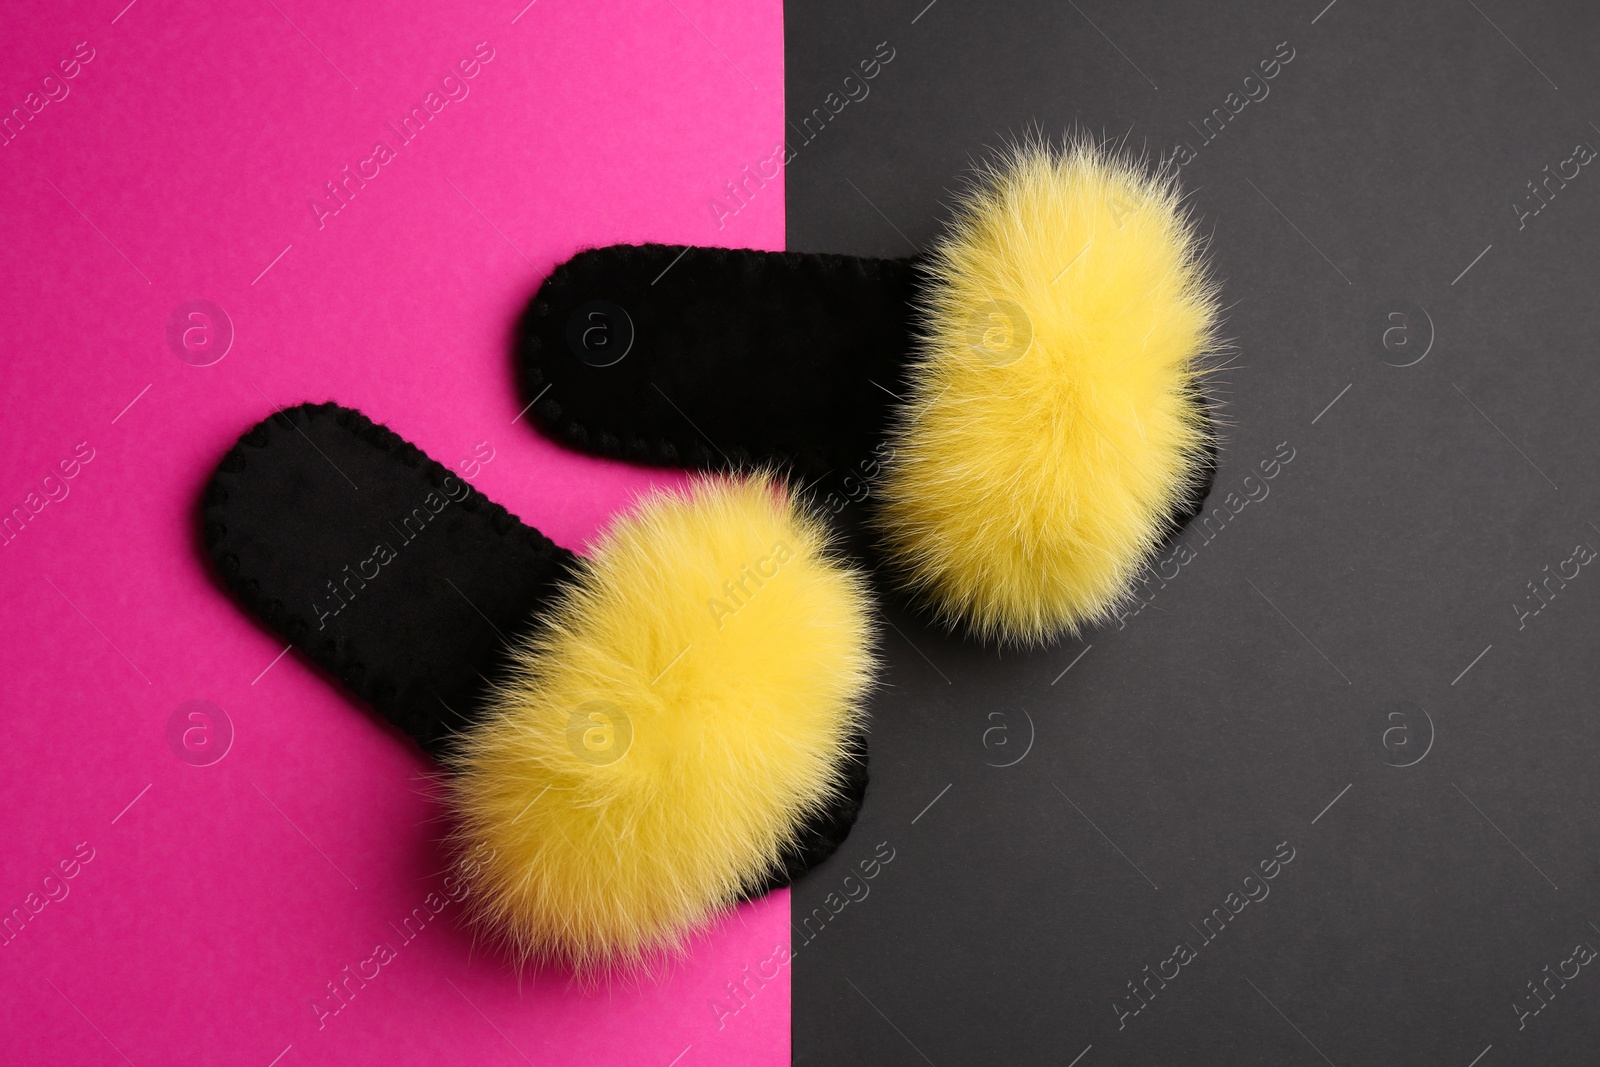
[(179, 165)]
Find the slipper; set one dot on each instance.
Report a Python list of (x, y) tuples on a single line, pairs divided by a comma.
[(1025, 401), (634, 739)]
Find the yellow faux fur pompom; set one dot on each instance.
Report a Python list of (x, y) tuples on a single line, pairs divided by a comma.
[(678, 714), (1053, 425)]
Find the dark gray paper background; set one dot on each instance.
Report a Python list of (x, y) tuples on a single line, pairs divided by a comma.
[(1379, 576)]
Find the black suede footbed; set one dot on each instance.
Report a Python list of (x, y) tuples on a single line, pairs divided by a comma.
[(737, 357), (304, 499)]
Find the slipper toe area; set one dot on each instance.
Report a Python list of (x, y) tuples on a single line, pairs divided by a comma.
[(690, 701), (1056, 431)]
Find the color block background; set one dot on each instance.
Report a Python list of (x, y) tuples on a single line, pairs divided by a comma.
[(180, 163)]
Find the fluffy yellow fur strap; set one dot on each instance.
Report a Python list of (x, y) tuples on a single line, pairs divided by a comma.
[(1053, 425), (673, 720)]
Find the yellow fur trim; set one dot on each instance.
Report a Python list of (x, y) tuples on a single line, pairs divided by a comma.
[(681, 710), (1052, 426)]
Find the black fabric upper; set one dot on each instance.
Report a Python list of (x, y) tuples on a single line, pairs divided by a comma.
[(401, 580)]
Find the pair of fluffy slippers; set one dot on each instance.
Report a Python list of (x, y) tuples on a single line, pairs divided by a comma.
[(640, 737)]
